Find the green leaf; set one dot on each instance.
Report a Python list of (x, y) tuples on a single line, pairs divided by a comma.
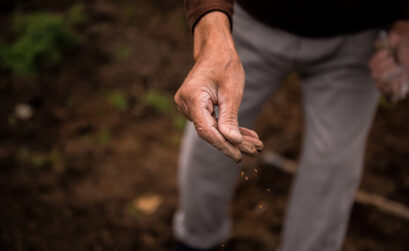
[(40, 38), (159, 101), (118, 100)]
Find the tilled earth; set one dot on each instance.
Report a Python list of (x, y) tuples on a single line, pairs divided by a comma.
[(72, 177)]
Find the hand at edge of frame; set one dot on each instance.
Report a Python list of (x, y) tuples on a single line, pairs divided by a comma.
[(390, 64)]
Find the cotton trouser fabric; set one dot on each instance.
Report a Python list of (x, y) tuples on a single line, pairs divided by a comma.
[(339, 101)]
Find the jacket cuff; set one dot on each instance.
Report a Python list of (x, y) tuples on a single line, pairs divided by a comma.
[(196, 9)]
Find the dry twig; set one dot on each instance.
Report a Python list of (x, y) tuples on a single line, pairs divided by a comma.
[(385, 205)]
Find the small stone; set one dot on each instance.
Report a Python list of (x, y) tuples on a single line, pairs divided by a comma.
[(23, 111), (148, 204)]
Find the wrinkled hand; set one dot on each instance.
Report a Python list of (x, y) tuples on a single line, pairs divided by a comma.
[(217, 79), (386, 72), (391, 60)]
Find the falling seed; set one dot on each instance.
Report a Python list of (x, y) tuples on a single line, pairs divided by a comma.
[(268, 190), (259, 208), (255, 170), (242, 174), (246, 178)]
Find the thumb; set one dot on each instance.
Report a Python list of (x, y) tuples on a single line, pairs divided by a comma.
[(229, 102)]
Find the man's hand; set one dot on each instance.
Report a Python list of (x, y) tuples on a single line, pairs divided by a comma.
[(389, 62), (217, 79)]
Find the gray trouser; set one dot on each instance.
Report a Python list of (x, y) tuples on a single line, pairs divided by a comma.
[(339, 103)]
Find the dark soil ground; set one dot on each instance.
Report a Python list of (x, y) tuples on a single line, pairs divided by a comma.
[(70, 176)]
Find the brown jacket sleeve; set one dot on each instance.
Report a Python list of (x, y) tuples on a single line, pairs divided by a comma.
[(195, 9)]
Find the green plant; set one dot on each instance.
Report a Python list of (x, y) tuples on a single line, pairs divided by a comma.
[(70, 101), (54, 157), (118, 100), (121, 53), (39, 38), (12, 120), (161, 102), (103, 137), (76, 15), (134, 212), (164, 104), (179, 121), (23, 155), (385, 104), (36, 160)]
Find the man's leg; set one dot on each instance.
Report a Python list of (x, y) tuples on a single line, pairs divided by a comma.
[(206, 177), (339, 104)]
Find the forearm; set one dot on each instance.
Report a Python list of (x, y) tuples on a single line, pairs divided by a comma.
[(212, 35)]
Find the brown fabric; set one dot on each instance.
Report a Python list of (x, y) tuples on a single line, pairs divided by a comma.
[(195, 9), (312, 18)]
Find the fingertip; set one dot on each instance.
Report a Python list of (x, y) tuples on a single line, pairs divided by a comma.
[(235, 154), (261, 146), (235, 135), (232, 134), (238, 161), (239, 156)]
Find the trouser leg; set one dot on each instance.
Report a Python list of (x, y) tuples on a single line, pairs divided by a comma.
[(339, 104), (206, 177)]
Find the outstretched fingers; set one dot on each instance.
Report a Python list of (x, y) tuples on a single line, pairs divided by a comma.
[(251, 143)]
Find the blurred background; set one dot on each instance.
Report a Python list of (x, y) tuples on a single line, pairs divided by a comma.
[(89, 136)]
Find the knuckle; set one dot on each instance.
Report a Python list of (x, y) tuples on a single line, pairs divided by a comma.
[(254, 134), (182, 103), (178, 102), (228, 119), (202, 131), (224, 151), (178, 98)]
